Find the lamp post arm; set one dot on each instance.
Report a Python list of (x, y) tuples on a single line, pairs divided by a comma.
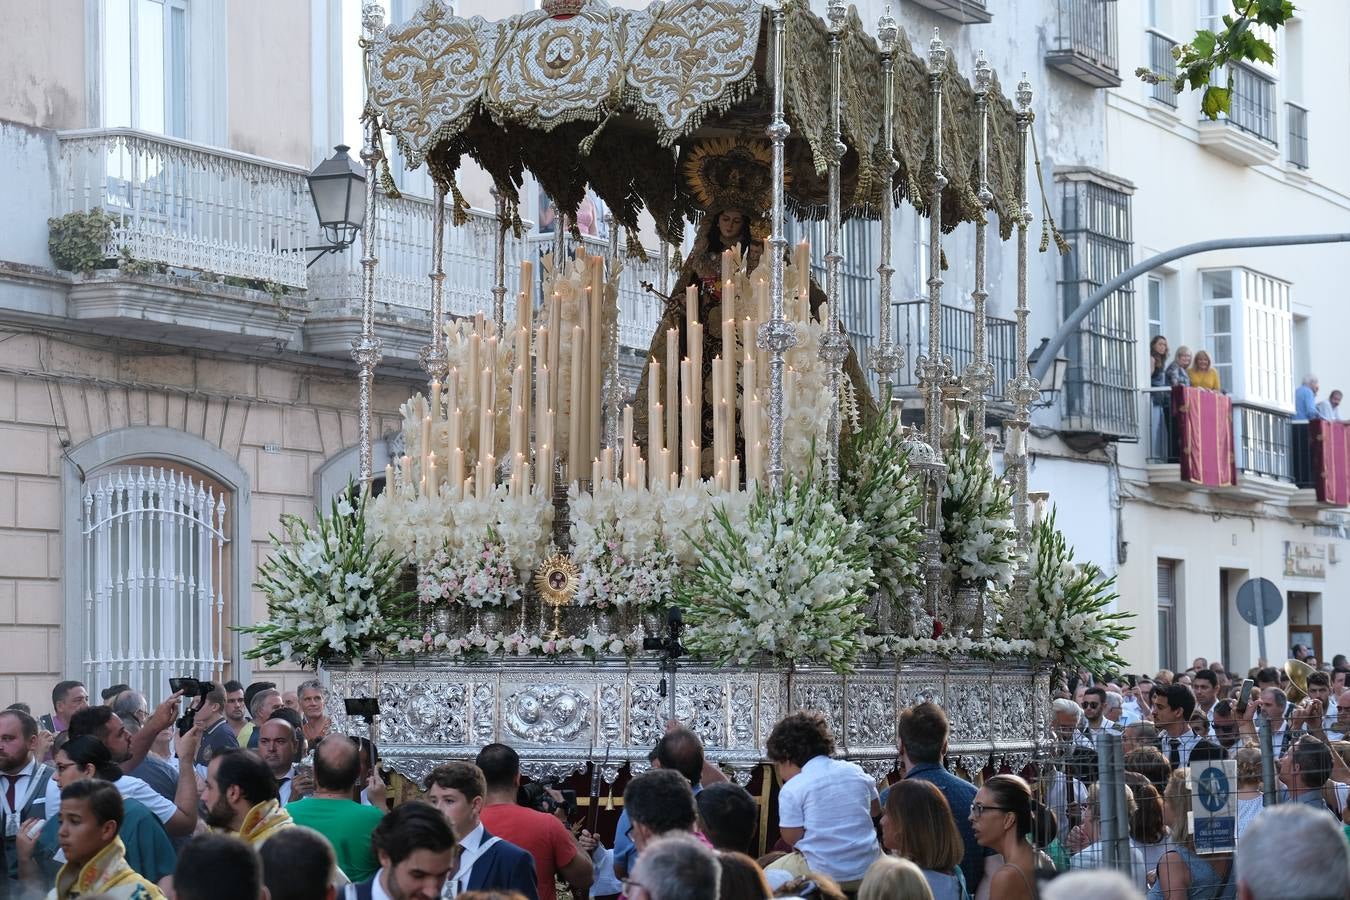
[(1095, 299)]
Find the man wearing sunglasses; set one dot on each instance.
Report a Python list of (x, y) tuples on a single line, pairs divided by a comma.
[(1094, 711)]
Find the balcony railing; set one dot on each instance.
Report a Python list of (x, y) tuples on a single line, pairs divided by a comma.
[(964, 11), (1161, 62), (958, 342), (1085, 46), (1298, 135), (1252, 103), (403, 288), (189, 206), (1261, 437)]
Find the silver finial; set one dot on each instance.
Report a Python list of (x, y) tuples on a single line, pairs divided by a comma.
[(887, 30), (937, 54), (836, 10), (984, 75), (1024, 93), (372, 18)]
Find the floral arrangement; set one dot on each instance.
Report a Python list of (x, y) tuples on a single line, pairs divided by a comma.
[(331, 590), (979, 540), (1066, 614), (478, 643), (789, 581), (477, 577), (948, 646), (877, 491)]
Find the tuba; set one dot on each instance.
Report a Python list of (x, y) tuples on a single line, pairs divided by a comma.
[(1298, 672)]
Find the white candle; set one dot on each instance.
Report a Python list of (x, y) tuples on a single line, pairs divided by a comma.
[(433, 487), (436, 397), (672, 387), (574, 424)]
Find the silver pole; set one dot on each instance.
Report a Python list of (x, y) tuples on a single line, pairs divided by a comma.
[(1023, 389), (1270, 795), (777, 335), (886, 359), (367, 349), (978, 376), (935, 369), (834, 345), (1106, 798), (614, 388), (499, 266), (1122, 807), (434, 359)]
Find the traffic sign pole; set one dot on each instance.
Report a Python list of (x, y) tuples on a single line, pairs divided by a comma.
[(1261, 625)]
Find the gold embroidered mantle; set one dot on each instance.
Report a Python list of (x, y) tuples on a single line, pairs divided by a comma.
[(601, 98)]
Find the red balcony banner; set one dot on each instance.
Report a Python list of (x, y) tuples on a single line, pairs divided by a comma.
[(1204, 422), (1329, 445)]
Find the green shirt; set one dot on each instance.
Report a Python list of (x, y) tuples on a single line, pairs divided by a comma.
[(347, 825)]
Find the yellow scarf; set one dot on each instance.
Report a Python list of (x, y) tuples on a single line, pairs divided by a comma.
[(106, 873), (263, 821)]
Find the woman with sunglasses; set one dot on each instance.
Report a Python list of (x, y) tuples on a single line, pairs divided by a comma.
[(1001, 817)]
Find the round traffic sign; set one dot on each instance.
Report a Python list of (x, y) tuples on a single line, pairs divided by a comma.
[(1212, 789), (1264, 591)]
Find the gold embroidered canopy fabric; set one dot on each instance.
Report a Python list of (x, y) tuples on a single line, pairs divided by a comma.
[(614, 98)]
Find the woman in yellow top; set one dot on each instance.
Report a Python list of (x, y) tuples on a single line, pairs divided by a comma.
[(1203, 374)]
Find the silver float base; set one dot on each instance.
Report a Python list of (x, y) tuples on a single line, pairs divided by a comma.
[(560, 715)]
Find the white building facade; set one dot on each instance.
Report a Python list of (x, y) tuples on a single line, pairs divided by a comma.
[(160, 415)]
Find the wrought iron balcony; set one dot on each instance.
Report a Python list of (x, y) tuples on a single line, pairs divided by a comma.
[(1161, 62), (964, 11), (187, 206), (1248, 134), (1261, 436), (1085, 46), (958, 342)]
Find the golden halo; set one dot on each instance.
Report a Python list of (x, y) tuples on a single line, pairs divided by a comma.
[(732, 172)]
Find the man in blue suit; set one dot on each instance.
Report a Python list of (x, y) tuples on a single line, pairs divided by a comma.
[(486, 862)]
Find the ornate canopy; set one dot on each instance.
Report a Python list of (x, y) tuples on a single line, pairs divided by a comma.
[(615, 99)]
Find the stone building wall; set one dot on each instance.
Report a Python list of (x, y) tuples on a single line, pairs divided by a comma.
[(280, 421)]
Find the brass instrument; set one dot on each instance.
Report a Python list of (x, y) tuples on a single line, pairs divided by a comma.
[(1298, 672)]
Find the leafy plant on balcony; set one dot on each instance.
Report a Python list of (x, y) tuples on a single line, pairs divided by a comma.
[(1210, 52), (129, 265), (78, 241)]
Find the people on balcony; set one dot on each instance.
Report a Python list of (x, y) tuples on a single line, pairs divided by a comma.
[(1161, 410), (1330, 408), (1178, 373), (1202, 372), (1305, 400)]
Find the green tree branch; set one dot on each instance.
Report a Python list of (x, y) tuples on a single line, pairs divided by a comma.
[(1209, 52)]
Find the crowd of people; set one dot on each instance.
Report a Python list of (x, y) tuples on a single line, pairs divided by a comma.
[(115, 801)]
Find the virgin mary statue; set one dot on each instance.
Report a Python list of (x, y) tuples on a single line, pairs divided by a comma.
[(731, 178)]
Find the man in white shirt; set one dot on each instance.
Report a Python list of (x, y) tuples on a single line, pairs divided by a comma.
[(417, 853), (1172, 708), (1330, 408), (23, 781), (179, 816), (1095, 701), (1068, 725), (1205, 684), (827, 807)]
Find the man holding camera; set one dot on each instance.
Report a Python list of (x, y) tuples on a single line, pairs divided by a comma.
[(217, 735), (553, 847)]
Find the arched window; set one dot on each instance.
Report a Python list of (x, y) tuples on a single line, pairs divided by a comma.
[(158, 560), (156, 575)]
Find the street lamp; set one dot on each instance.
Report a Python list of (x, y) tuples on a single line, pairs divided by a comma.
[(1058, 372), (338, 188)]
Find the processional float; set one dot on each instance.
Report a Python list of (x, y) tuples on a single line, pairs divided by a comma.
[(563, 534)]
